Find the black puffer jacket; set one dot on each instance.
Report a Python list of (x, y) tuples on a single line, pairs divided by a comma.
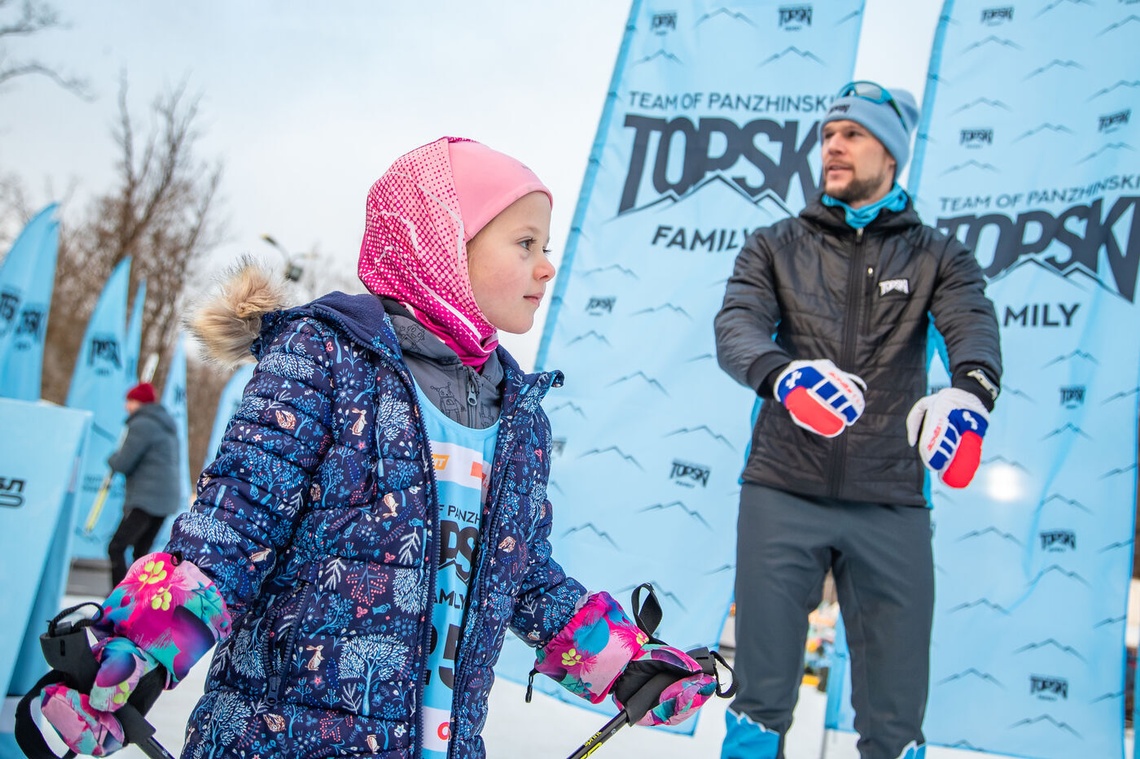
[(864, 299)]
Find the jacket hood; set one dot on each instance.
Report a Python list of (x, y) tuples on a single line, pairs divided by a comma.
[(250, 300), (157, 413), (252, 304), (227, 324)]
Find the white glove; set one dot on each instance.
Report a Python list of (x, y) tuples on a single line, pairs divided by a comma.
[(820, 396), (952, 423)]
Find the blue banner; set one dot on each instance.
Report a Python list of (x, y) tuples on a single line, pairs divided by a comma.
[(174, 400), (38, 474), (228, 404), (99, 384), (27, 278), (134, 336), (1027, 152), (709, 131)]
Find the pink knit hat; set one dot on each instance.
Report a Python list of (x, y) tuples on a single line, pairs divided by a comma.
[(420, 215)]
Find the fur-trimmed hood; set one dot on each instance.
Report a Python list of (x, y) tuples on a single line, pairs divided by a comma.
[(227, 324)]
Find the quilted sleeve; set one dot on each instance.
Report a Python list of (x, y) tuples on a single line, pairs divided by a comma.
[(250, 497)]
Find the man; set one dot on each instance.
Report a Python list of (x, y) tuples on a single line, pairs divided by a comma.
[(148, 457), (826, 317)]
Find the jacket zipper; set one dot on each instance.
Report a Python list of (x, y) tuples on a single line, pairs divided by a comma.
[(855, 291), (477, 556), (276, 687), (431, 566), (868, 298), (472, 398), (430, 557), (473, 597)]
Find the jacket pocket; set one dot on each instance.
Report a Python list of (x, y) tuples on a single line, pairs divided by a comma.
[(283, 624)]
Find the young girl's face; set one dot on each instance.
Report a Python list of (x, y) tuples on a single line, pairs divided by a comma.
[(508, 265)]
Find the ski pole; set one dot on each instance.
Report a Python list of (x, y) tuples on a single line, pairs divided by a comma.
[(594, 742), (645, 697), (97, 505)]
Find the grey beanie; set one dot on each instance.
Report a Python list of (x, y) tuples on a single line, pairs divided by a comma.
[(881, 120)]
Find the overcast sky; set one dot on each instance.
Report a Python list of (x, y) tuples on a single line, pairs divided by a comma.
[(307, 103)]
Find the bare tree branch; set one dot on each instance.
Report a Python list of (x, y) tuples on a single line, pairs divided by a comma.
[(34, 18), (163, 214)]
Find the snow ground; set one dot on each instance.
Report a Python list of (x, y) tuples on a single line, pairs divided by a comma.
[(548, 728)]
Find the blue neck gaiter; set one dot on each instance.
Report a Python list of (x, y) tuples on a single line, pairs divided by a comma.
[(857, 218)]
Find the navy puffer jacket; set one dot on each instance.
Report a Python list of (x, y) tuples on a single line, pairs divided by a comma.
[(318, 520)]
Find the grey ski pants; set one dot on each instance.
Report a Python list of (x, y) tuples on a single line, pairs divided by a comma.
[(882, 562)]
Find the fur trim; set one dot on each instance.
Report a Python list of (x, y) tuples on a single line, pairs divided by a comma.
[(228, 323)]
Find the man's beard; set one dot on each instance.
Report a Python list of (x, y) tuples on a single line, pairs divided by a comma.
[(859, 191)]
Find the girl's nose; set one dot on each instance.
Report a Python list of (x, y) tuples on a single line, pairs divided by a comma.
[(545, 270)]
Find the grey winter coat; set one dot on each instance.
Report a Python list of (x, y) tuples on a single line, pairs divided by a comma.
[(811, 287), (148, 458)]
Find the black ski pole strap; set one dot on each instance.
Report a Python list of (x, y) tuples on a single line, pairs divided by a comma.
[(647, 615), (709, 661)]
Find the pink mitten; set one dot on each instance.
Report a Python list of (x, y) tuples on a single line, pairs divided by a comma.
[(84, 729), (593, 649), (164, 613), (602, 651)]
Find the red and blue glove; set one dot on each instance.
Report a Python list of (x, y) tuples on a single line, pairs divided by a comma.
[(948, 427), (601, 651), (165, 613), (820, 397)]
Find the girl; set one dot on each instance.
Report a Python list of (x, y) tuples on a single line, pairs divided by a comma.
[(376, 518)]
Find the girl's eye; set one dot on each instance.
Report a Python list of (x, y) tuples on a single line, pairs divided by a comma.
[(527, 243)]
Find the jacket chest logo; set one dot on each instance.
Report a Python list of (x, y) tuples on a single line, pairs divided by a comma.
[(894, 286)]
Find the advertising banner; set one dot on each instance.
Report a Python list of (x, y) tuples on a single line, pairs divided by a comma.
[(38, 475), (228, 404), (99, 384), (1027, 153), (710, 130), (27, 277)]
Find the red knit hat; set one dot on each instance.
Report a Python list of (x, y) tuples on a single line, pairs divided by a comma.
[(143, 393)]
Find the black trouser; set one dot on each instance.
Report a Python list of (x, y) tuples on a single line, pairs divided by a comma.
[(136, 531), (882, 560)]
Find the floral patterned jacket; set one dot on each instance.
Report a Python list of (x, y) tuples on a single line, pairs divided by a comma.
[(318, 521)]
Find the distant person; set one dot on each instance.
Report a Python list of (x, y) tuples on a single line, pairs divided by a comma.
[(148, 458), (376, 520), (825, 316)]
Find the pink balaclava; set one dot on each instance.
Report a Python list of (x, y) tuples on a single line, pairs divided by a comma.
[(420, 215)]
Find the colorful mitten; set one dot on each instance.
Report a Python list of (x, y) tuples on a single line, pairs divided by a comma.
[(602, 651), (821, 397), (85, 730), (164, 613), (593, 649), (690, 689), (952, 423)]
